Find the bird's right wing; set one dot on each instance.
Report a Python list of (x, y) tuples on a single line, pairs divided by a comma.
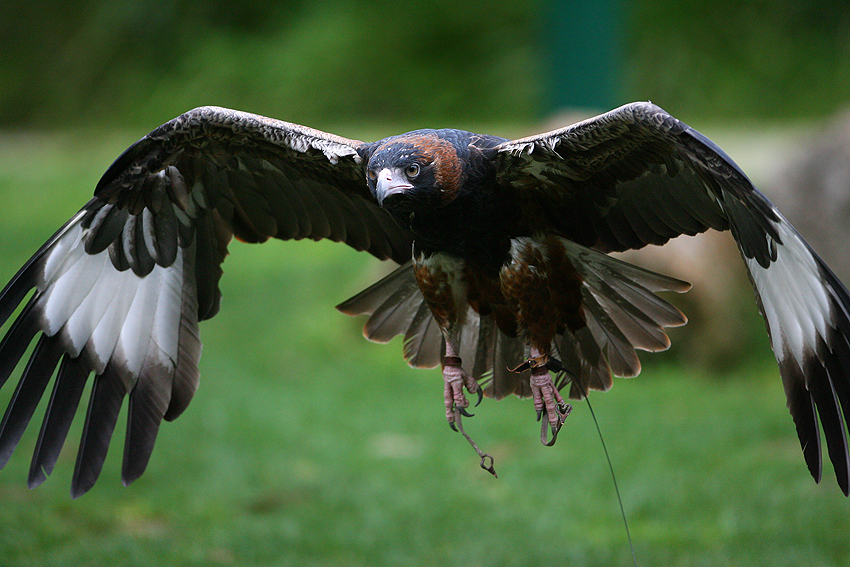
[(636, 176), (120, 289)]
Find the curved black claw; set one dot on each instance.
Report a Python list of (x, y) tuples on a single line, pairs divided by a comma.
[(480, 393), (460, 411), (540, 413)]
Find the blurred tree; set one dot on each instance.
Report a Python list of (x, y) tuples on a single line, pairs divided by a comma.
[(434, 62), (331, 60)]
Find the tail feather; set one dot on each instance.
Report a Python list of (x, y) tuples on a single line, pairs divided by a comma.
[(503, 352), (622, 310), (622, 356), (396, 307), (423, 340), (368, 300)]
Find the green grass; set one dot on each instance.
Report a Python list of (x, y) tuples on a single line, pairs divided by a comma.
[(307, 445)]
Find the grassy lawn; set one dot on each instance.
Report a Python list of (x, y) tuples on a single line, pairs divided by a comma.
[(307, 445)]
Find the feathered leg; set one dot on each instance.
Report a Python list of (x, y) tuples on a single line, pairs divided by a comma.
[(544, 288)]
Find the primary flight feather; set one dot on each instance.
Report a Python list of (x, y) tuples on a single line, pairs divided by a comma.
[(504, 277)]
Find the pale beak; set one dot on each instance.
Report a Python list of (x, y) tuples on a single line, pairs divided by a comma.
[(390, 182)]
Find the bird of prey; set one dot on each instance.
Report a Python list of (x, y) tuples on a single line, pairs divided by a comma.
[(504, 279)]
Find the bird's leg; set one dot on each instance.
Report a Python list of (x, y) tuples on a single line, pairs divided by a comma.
[(456, 403), (456, 379), (441, 280), (548, 401)]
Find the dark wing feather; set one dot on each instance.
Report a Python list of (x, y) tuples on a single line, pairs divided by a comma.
[(67, 392), (120, 289), (631, 177), (636, 176), (276, 179)]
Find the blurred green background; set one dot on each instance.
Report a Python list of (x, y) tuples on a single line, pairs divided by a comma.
[(305, 444), (333, 61)]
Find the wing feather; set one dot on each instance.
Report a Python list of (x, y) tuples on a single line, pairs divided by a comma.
[(64, 401), (636, 176), (105, 402), (30, 388), (119, 290)]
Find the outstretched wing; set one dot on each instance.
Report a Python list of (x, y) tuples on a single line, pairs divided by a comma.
[(636, 176), (120, 289)]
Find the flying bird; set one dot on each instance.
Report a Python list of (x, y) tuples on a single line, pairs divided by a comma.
[(504, 280)]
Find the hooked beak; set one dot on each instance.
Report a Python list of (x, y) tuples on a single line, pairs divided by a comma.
[(390, 182)]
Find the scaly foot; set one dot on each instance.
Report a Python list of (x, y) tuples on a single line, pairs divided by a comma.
[(548, 401), (455, 380)]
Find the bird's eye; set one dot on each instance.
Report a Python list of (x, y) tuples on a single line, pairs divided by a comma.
[(412, 170), (373, 175)]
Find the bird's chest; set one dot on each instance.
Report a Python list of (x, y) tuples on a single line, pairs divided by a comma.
[(452, 285)]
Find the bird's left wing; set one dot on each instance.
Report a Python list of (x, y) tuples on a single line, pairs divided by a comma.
[(636, 176), (120, 289)]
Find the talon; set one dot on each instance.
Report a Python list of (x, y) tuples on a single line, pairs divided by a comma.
[(455, 381), (564, 410), (547, 400), (453, 426), (480, 393)]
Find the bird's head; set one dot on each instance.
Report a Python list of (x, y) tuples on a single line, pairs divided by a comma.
[(413, 171)]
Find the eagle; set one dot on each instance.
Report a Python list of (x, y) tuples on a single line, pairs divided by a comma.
[(504, 279)]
